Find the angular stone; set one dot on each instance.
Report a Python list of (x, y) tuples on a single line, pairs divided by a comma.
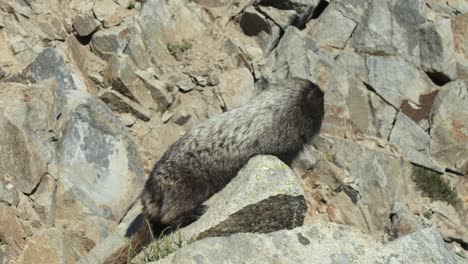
[(85, 24), (460, 35), (332, 28), (110, 41), (282, 18), (255, 24), (98, 161), (11, 230), (50, 64), (298, 56), (351, 109), (391, 77), (162, 92), (448, 222), (299, 6), (8, 193), (113, 242), (438, 50), (121, 73), (44, 199), (390, 28), (89, 65), (118, 18), (360, 182), (319, 243), (104, 8), (449, 129), (200, 106), (46, 246), (121, 104), (26, 117), (52, 26), (237, 87), (164, 22), (264, 189), (413, 142)]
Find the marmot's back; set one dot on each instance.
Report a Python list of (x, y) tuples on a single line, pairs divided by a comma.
[(278, 122)]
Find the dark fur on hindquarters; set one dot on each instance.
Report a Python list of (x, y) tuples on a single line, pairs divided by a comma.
[(278, 122)]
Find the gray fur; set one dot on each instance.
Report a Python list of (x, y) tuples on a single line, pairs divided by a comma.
[(277, 122)]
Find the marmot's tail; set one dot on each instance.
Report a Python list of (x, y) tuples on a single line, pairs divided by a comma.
[(139, 239)]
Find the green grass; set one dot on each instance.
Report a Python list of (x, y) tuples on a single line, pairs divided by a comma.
[(131, 4), (433, 186), (164, 246), (181, 47)]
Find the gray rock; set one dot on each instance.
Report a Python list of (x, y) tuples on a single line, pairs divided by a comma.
[(164, 22), (8, 194), (185, 84), (390, 27), (299, 6), (390, 76), (44, 246), (110, 41), (50, 64), (44, 199), (121, 104), (122, 75), (26, 117), (447, 220), (438, 50), (127, 119), (237, 87), (460, 36), (282, 18), (52, 27), (298, 56), (162, 92), (413, 142), (98, 161), (104, 8), (320, 243), (332, 28), (367, 177), (351, 109), (448, 126), (264, 189), (255, 24), (85, 25), (115, 241)]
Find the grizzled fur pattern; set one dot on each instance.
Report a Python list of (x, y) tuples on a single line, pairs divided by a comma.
[(277, 122)]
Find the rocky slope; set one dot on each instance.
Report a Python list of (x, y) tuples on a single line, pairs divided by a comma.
[(92, 92)]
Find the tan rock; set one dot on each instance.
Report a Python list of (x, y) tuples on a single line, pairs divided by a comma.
[(121, 104), (11, 230), (237, 87), (460, 35), (104, 8), (46, 246), (85, 25)]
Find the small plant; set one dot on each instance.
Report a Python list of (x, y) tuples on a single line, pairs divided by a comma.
[(131, 4), (433, 186), (179, 48), (2, 242), (164, 246)]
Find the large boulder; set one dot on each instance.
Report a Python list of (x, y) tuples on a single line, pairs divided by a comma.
[(320, 243), (265, 196)]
